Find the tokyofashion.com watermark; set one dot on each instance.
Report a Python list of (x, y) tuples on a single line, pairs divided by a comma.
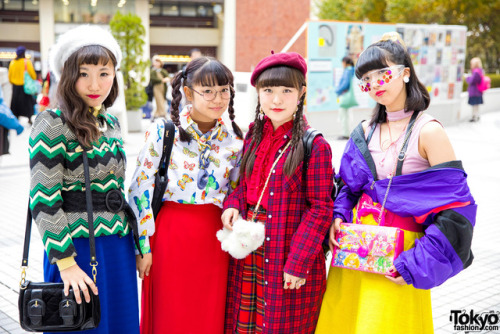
[(471, 321)]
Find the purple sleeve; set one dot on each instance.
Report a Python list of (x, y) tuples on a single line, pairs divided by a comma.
[(442, 252)]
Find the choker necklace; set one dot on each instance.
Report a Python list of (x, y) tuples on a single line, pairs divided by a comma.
[(393, 116)]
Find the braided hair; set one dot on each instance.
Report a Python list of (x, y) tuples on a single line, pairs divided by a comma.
[(273, 77), (204, 71)]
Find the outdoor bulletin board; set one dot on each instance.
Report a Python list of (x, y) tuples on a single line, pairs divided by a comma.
[(437, 52)]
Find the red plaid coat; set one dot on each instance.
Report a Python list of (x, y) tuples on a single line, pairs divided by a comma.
[(294, 233)]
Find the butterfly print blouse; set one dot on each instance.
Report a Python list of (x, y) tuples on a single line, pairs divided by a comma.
[(200, 172)]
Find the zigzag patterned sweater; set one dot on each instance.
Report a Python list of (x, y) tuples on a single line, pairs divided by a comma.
[(58, 183)]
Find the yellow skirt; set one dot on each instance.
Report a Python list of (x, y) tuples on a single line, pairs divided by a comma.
[(357, 302)]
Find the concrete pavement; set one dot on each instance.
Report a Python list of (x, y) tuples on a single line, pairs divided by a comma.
[(476, 289)]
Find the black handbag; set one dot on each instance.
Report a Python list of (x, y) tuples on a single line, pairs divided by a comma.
[(161, 178), (43, 307)]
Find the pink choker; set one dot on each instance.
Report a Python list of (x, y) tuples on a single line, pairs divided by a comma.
[(394, 116)]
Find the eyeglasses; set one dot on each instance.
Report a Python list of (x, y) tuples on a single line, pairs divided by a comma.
[(382, 77), (211, 94)]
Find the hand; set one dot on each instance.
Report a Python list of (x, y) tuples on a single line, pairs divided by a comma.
[(229, 216), (75, 277), (144, 264), (292, 282), (398, 279), (332, 241)]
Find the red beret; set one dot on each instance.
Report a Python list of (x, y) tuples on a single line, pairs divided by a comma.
[(290, 59)]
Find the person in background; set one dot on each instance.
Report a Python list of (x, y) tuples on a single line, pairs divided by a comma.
[(21, 104), (7, 121), (195, 53), (342, 89), (159, 78), (475, 95)]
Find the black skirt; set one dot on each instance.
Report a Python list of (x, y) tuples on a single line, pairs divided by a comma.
[(475, 100), (22, 104)]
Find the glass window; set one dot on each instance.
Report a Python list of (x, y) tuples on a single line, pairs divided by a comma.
[(188, 10), (71, 11), (170, 10), (13, 4), (31, 5), (154, 9)]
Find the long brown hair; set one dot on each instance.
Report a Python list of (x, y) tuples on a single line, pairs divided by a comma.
[(204, 71), (73, 107), (273, 77)]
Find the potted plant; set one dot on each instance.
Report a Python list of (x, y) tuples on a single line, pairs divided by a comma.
[(130, 34)]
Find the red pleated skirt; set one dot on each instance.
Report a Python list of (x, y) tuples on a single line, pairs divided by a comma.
[(186, 290)]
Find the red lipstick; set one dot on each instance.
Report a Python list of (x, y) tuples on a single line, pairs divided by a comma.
[(277, 109), (94, 96), (380, 93)]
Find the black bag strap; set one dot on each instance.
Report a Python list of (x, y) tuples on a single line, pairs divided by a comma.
[(90, 215), (308, 140), (168, 143), (402, 153)]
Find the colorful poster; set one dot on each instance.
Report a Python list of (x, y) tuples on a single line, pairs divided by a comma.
[(437, 53)]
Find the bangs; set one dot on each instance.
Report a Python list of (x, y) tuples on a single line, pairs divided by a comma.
[(213, 73), (95, 55), (373, 58), (281, 76)]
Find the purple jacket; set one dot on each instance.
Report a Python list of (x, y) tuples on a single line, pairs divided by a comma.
[(437, 197), (474, 80)]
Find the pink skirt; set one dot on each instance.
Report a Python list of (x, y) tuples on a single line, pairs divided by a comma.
[(186, 290)]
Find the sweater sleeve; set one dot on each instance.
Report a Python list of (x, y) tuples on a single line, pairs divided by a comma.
[(317, 217), (47, 149)]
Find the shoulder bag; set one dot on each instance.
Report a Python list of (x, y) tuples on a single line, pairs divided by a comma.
[(247, 235), (31, 87), (43, 307), (372, 248)]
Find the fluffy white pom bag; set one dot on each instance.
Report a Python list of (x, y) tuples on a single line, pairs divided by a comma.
[(245, 238), (247, 235)]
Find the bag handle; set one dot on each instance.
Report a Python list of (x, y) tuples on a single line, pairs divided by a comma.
[(267, 180), (90, 215)]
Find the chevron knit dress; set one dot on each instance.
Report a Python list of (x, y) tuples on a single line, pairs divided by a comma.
[(59, 208)]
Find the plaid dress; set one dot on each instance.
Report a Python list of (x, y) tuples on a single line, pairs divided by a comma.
[(294, 233)]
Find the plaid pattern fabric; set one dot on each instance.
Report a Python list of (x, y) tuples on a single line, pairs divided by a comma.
[(251, 312), (299, 215)]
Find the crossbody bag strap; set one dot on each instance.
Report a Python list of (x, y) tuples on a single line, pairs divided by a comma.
[(267, 181), (90, 215)]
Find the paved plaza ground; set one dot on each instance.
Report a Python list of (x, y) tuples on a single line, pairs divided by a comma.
[(476, 289)]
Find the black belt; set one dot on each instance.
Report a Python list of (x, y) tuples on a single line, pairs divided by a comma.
[(113, 201)]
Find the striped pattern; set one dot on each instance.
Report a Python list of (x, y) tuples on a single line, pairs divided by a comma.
[(57, 181)]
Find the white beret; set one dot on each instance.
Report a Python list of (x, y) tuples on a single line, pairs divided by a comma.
[(74, 39)]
